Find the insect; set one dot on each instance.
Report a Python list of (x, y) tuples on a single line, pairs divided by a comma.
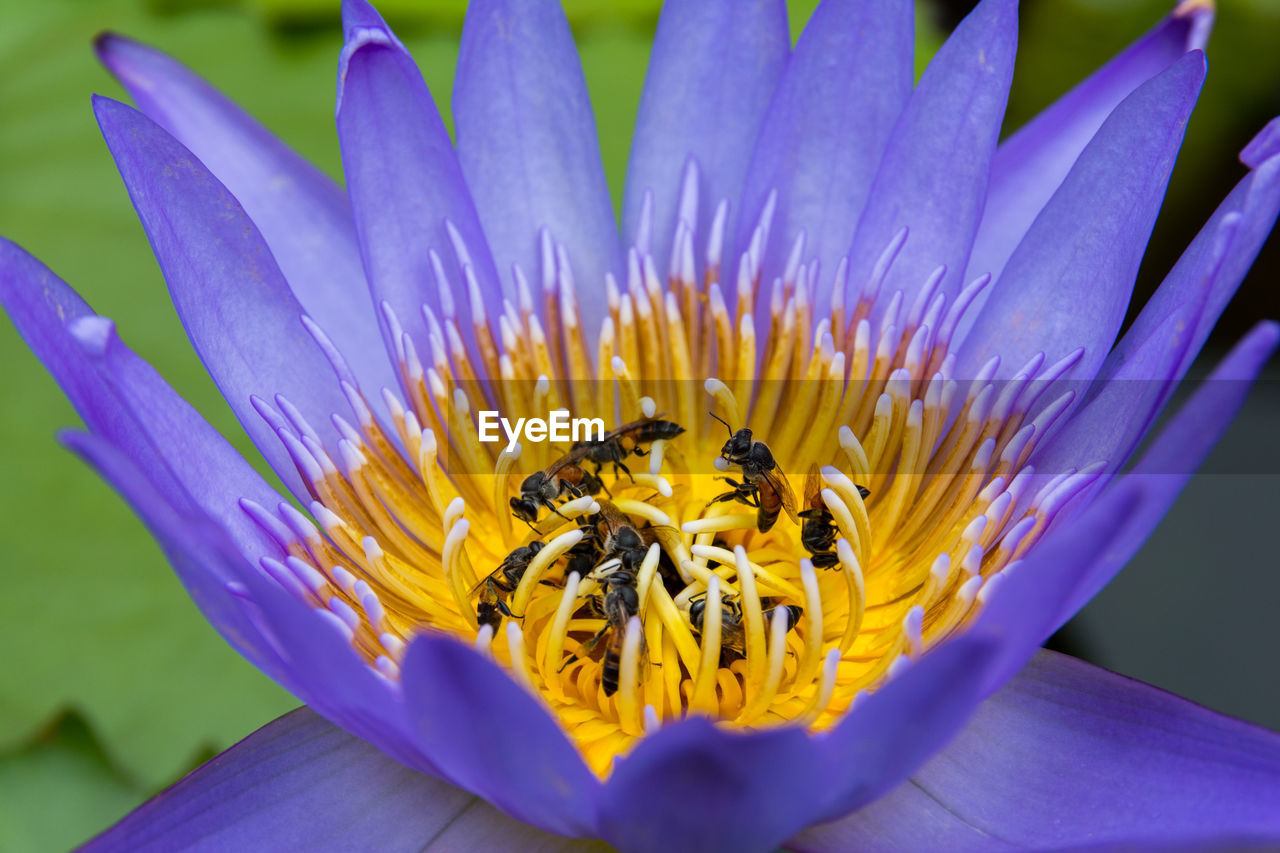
[(818, 531), (561, 478), (733, 637), (763, 485), (614, 447), (616, 537), (619, 603), (502, 582)]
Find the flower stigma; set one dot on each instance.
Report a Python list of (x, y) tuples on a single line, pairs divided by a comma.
[(682, 565)]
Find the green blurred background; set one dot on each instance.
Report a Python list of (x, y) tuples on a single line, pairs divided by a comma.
[(111, 684)]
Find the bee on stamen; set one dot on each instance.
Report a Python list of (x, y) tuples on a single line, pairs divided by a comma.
[(499, 584), (818, 531), (620, 601), (614, 447), (763, 485), (564, 478), (733, 635)]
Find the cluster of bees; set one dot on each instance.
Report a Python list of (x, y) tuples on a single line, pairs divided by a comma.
[(613, 547)]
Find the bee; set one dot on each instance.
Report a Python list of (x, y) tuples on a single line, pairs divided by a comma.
[(562, 478), (818, 532), (621, 601), (763, 485), (733, 637), (502, 582), (617, 538), (614, 447)]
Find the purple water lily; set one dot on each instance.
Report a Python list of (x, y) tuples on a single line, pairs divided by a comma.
[(835, 650)]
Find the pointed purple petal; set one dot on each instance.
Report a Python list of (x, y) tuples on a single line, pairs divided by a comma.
[(933, 179), (711, 75), (490, 736), (527, 145), (1068, 283), (826, 129), (1140, 373), (1166, 467), (275, 631), (302, 214), (188, 542), (889, 734), (208, 473), (404, 181), (1256, 203), (301, 783), (692, 786), (1068, 756), (1031, 164), (1020, 614), (235, 306), (121, 398)]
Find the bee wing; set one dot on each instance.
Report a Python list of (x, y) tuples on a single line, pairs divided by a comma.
[(612, 516), (812, 488), (573, 457), (479, 587), (778, 480), (664, 534)]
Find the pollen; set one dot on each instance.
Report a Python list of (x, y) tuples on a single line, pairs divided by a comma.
[(775, 521)]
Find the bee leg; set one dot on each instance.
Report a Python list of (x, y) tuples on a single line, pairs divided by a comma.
[(551, 506), (727, 496), (625, 470), (585, 648)]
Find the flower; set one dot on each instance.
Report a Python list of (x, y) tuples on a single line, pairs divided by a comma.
[(910, 318)]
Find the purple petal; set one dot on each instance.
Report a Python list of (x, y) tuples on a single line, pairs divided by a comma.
[(1262, 147), (1069, 756), (889, 734), (405, 183), (276, 632), (1020, 614), (490, 736), (712, 72), (304, 216), (1167, 466), (1068, 283), (299, 783), (933, 179), (527, 145), (192, 546), (693, 786), (235, 306), (1140, 373), (1254, 204), (122, 398), (826, 129), (1031, 164)]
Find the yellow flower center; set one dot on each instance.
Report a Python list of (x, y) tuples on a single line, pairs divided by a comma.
[(707, 614)]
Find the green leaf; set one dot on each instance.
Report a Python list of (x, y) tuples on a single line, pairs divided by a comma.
[(60, 789)]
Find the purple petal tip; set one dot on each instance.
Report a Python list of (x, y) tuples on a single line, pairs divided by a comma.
[(1262, 147)]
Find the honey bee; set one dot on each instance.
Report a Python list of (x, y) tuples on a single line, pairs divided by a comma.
[(763, 485), (563, 478), (501, 583), (616, 537), (621, 601), (733, 638), (818, 532), (614, 447)]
